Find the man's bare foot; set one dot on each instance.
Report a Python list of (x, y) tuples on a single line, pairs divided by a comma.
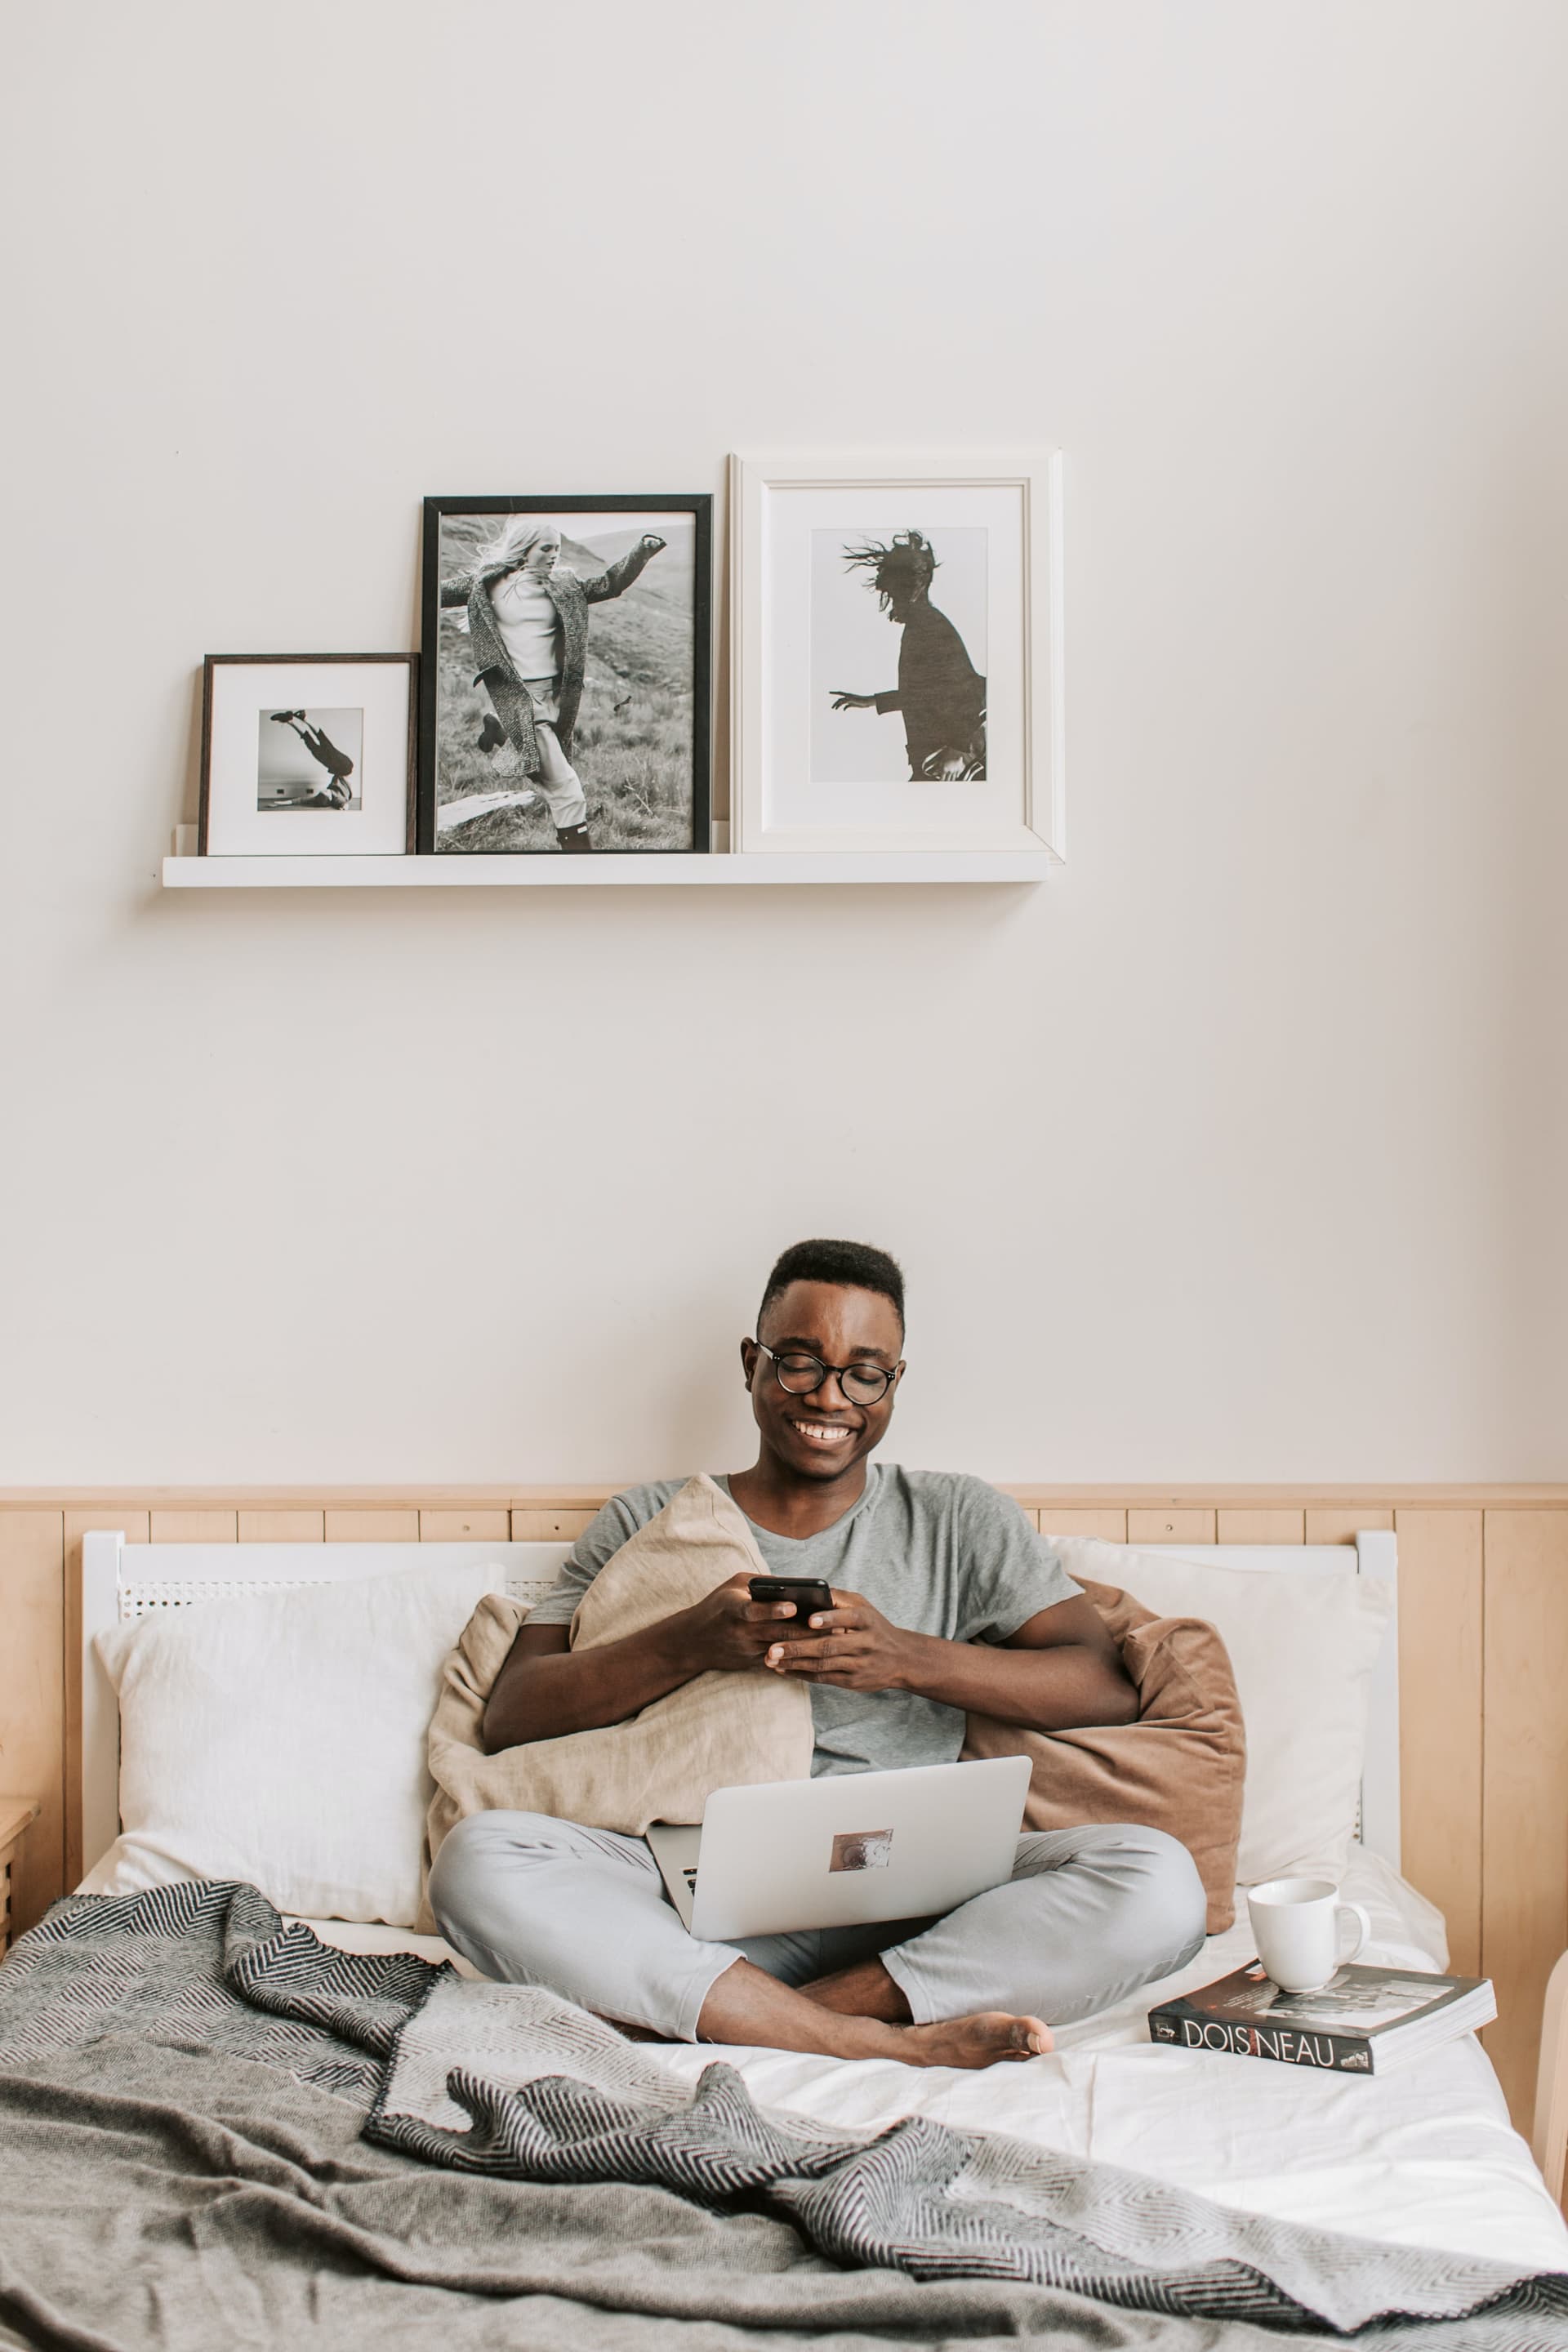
[(866, 1989), (747, 2007), (985, 2040)]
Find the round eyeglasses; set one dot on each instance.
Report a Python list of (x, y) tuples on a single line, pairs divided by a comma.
[(800, 1375)]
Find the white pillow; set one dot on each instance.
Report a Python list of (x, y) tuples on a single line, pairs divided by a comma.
[(1302, 1648), (280, 1738)]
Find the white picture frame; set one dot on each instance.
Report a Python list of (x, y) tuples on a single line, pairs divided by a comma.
[(810, 535), (308, 755)]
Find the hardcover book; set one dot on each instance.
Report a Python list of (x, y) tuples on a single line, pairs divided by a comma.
[(1364, 2020)]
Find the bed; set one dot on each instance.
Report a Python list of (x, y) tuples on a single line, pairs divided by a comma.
[(1423, 2157)]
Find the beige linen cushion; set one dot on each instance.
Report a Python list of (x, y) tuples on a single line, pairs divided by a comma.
[(1180, 1768), (718, 1732)]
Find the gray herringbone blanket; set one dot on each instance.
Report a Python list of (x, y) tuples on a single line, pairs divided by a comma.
[(215, 2131)]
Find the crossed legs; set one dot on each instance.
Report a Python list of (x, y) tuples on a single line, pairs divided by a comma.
[(1088, 1916)]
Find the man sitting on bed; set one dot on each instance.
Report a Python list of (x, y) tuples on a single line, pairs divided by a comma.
[(946, 1600)]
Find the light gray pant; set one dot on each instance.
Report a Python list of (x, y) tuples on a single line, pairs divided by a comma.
[(558, 782), (1088, 1916)]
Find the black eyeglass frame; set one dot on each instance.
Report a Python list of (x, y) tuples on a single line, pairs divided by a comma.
[(837, 1371)]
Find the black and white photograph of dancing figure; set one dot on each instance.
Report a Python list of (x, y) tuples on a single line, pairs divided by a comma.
[(898, 656), (895, 679), (569, 712), (308, 755), (309, 759)]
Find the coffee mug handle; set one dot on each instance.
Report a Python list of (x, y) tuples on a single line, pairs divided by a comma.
[(1363, 1932)]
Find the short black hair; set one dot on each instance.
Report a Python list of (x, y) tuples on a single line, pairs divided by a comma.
[(853, 1265)]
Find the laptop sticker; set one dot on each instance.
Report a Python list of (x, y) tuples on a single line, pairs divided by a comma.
[(862, 1849)]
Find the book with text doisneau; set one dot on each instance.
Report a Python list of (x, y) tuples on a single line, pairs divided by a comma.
[(1362, 2021)]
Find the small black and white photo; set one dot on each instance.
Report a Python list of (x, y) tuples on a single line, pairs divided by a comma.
[(308, 755), (568, 711), (898, 645), (310, 760)]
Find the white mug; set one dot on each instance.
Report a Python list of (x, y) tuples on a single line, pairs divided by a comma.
[(1296, 1922)]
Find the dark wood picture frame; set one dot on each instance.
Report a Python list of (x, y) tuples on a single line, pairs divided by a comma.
[(699, 507), (214, 662)]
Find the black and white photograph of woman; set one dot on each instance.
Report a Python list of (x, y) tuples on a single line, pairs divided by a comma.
[(309, 758), (939, 690), (566, 680)]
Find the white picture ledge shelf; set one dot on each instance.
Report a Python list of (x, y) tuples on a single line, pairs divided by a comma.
[(611, 870)]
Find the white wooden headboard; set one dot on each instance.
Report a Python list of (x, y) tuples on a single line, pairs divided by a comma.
[(122, 1580)]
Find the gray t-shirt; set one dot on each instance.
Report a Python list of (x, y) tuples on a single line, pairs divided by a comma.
[(935, 1552)]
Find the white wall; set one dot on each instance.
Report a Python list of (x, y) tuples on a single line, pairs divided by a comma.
[(1239, 1150)]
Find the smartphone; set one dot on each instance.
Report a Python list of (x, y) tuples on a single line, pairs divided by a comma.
[(808, 1592)]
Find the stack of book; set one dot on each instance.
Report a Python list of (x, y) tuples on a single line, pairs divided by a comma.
[(1362, 2022)]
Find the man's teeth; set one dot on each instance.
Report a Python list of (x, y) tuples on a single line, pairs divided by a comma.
[(823, 1431)]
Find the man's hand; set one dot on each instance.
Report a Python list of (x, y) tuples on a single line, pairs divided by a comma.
[(729, 1632), (842, 701), (852, 1645)]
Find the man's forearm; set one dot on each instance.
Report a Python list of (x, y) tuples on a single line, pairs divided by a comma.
[(583, 1690), (1058, 1689)]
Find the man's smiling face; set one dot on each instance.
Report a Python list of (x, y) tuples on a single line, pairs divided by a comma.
[(824, 1433)]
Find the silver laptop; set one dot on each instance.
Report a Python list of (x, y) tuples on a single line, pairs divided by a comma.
[(848, 1848)]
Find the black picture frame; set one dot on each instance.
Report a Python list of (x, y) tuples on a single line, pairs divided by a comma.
[(491, 511), (214, 664)]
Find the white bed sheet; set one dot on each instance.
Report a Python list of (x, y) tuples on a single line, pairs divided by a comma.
[(1424, 2156)]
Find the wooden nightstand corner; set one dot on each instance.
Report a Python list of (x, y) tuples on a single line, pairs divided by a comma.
[(16, 1814)]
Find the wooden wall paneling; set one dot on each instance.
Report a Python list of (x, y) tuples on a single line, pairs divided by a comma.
[(1031, 1515), (1037, 1494), (1524, 1891), (1110, 1526), (465, 1527), (1332, 1523), (133, 1525), (372, 1526), (1270, 1525), (195, 1527), (1440, 1644), (548, 1526), (282, 1527), (1180, 1524), (32, 1700)]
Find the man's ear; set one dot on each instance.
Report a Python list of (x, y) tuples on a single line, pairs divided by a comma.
[(750, 1352)]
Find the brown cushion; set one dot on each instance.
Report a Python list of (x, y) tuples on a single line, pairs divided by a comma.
[(1180, 1768)]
